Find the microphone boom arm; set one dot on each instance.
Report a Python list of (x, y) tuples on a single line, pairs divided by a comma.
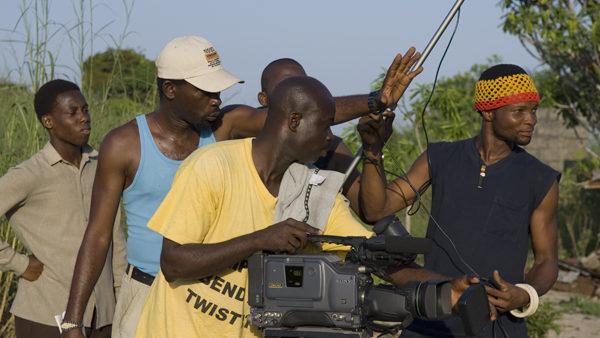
[(419, 63)]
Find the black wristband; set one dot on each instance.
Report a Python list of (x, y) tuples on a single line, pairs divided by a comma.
[(373, 106), (372, 160), (371, 102)]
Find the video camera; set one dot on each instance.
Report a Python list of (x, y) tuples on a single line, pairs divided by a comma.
[(316, 295)]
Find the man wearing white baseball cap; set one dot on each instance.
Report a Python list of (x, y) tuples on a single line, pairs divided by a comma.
[(181, 59), (139, 159)]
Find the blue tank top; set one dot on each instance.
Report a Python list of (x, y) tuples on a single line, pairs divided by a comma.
[(151, 184)]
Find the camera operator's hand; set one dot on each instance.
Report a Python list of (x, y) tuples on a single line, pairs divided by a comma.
[(460, 285), (286, 236), (375, 130), (508, 296)]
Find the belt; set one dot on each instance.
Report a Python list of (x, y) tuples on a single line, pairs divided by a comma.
[(140, 275)]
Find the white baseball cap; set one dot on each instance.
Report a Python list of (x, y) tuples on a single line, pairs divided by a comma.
[(195, 60)]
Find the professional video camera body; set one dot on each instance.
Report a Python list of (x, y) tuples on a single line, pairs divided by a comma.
[(313, 295)]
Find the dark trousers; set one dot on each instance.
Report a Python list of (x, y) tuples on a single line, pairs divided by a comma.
[(27, 329)]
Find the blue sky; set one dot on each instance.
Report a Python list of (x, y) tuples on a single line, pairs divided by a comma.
[(343, 43)]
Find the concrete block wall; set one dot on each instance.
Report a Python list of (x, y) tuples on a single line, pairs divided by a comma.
[(552, 142)]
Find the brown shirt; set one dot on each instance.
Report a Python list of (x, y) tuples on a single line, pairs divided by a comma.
[(47, 202)]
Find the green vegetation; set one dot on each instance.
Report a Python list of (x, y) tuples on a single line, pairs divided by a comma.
[(582, 304), (450, 116), (565, 36), (136, 75), (23, 134), (543, 320), (118, 85), (578, 213), (548, 313)]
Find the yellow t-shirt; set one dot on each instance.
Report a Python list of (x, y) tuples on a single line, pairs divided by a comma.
[(217, 195)]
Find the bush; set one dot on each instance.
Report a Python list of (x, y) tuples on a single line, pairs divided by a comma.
[(543, 321), (584, 305)]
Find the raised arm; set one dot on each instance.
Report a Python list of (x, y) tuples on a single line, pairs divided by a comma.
[(192, 261), (106, 194), (240, 121), (395, 82), (378, 198)]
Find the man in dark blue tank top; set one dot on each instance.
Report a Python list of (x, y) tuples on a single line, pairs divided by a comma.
[(489, 198)]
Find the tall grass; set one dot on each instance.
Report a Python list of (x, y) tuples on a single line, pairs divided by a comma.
[(21, 133)]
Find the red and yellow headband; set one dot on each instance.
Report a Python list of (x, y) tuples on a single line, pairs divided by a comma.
[(501, 91)]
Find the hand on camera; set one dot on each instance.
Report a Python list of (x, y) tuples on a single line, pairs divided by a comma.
[(507, 296), (460, 285), (286, 236)]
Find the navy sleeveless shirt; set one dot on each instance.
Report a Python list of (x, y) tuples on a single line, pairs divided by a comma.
[(488, 225)]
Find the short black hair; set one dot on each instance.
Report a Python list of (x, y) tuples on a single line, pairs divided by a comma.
[(501, 70), (264, 78), (45, 98)]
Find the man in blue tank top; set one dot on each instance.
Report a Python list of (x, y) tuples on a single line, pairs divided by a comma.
[(489, 198), (138, 161)]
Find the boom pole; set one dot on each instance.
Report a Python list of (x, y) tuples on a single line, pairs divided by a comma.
[(419, 63)]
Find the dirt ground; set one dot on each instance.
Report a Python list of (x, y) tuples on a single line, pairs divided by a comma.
[(572, 325)]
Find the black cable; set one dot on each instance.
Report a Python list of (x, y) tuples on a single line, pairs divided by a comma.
[(499, 324), (436, 77), (502, 328), (421, 204), (403, 176), (418, 206), (417, 194)]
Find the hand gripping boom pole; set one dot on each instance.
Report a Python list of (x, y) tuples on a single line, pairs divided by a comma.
[(419, 63)]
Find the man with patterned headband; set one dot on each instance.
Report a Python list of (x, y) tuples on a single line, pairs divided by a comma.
[(489, 197)]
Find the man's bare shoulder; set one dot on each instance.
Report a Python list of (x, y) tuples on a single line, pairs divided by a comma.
[(123, 134), (121, 146)]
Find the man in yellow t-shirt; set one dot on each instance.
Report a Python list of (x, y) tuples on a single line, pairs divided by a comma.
[(220, 210)]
